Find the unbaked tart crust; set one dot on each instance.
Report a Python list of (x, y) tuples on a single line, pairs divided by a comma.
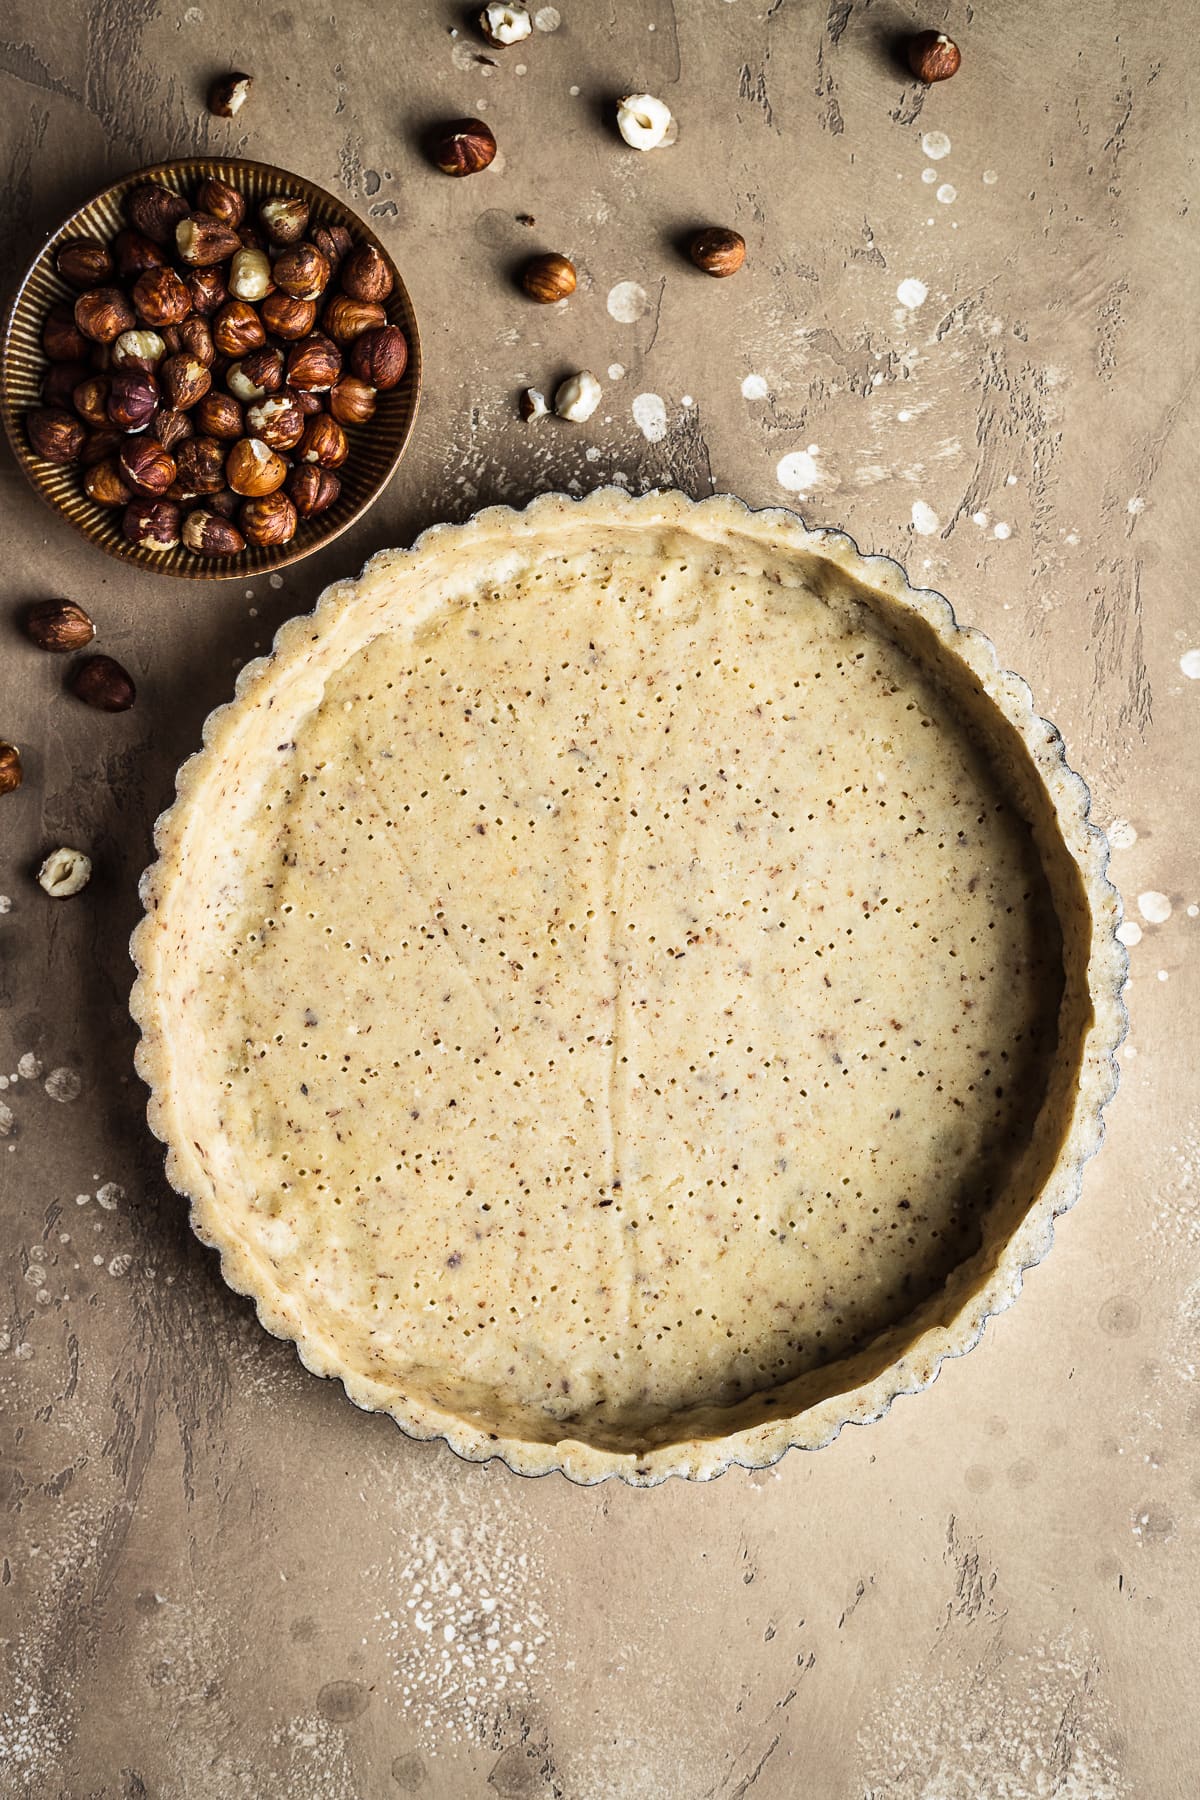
[(627, 985)]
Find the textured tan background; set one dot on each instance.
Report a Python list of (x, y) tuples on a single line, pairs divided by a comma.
[(217, 1580)]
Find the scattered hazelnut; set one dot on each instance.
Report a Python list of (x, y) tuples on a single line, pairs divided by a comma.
[(314, 364), (65, 872), (201, 240), (257, 374), (90, 399), (380, 357), (717, 251), (228, 94), (134, 253), (252, 468), (532, 404), (932, 56), (351, 401), (155, 211), (285, 218), (153, 524), (221, 201), (269, 520), (132, 399), (105, 484), (548, 278), (146, 466), (220, 415), (103, 314), (335, 244), (313, 490), (207, 288), (55, 436), (184, 380), (365, 274), (58, 626), (643, 121), (100, 681), (277, 420), (211, 534), (84, 263), (288, 317), (160, 297), (578, 397), (505, 25), (171, 426), (237, 329), (345, 319), (138, 350), (301, 271), (200, 467), (463, 147), (250, 275), (10, 768), (323, 442), (60, 381)]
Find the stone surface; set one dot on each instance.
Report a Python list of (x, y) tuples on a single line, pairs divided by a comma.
[(964, 333)]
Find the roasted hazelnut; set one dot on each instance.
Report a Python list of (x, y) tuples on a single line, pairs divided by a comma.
[(58, 626), (160, 297), (257, 374), (90, 399), (301, 271), (100, 358), (146, 466), (60, 381), (313, 364), (134, 253), (932, 56), (211, 534), (100, 681), (718, 251), (269, 520), (252, 468), (462, 147), (171, 427), (309, 402), (334, 242), (132, 399), (287, 317), (84, 263), (154, 524), (351, 401), (10, 768), (220, 415), (380, 357), (103, 314), (105, 484), (138, 350), (365, 274), (172, 342), (184, 380), (285, 218), (195, 337), (277, 420), (101, 445), (324, 442), (155, 211), (548, 278), (55, 436), (251, 238), (221, 201), (226, 503), (208, 289), (237, 329), (62, 339), (345, 319), (229, 93), (201, 240), (250, 275), (200, 467), (313, 490)]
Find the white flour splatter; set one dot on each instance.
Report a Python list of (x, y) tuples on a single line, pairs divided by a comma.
[(924, 519), (7, 1119), (547, 18), (63, 1085), (1122, 835), (29, 1067), (1189, 662), (627, 302), (947, 193), (1001, 530), (798, 471), (912, 293), (650, 417), (935, 144), (1154, 907), (110, 1195), (754, 387), (1129, 933)]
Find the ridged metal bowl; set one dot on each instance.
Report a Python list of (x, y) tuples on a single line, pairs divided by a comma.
[(375, 448)]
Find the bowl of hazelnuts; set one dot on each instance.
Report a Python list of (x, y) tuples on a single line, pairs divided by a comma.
[(211, 369)]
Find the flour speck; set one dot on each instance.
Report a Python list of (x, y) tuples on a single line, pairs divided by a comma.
[(1129, 933), (754, 387), (29, 1067), (615, 371), (650, 417), (63, 1085), (797, 472), (1189, 662), (912, 293), (1122, 835), (935, 144), (1154, 907), (8, 1119), (627, 302), (924, 519), (1001, 530), (947, 193), (110, 1196)]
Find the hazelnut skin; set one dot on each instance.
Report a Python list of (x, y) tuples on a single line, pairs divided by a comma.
[(380, 357), (313, 490), (103, 314), (351, 401), (146, 466), (252, 469), (100, 681), (365, 274), (55, 436), (463, 147), (257, 374), (132, 399), (548, 278), (84, 263), (932, 56), (324, 443), (100, 445), (269, 520), (717, 251), (219, 415), (195, 336), (10, 768), (155, 211), (154, 524), (288, 317), (160, 297)]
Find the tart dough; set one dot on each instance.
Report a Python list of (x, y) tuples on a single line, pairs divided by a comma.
[(617, 987)]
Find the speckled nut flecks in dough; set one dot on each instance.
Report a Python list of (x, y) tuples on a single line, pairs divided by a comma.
[(651, 986)]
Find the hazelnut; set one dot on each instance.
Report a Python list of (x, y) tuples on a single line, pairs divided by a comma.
[(171, 426), (100, 445), (211, 534), (64, 873), (313, 364), (351, 401), (251, 238), (548, 278), (285, 218), (578, 397), (380, 357), (220, 415), (207, 288), (226, 502), (250, 275), (288, 317), (365, 274), (184, 380), (84, 263), (200, 467), (301, 271), (60, 381), (133, 253), (252, 468), (201, 240), (313, 490), (146, 466), (324, 442), (154, 524), (221, 201), (100, 681), (103, 314), (58, 626), (463, 147), (269, 520), (310, 401), (195, 336), (62, 339), (55, 436), (10, 768), (228, 94), (532, 404), (105, 484), (138, 350), (155, 211), (237, 329), (132, 399), (257, 374), (717, 251), (345, 319), (90, 399), (932, 56), (504, 25), (277, 420), (160, 297), (335, 244), (644, 122)]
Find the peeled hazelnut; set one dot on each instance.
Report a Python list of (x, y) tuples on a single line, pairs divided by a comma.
[(504, 25), (365, 274), (138, 350), (313, 364), (160, 297), (60, 381), (58, 626), (201, 240), (171, 427), (84, 263), (100, 681), (463, 147), (237, 329), (132, 399), (146, 466), (717, 251), (643, 121), (932, 56), (324, 442), (288, 317), (103, 314), (10, 769), (134, 253), (184, 380), (200, 467), (55, 436), (105, 484), (153, 524), (207, 288), (277, 420), (269, 520), (221, 201), (345, 319), (301, 271), (100, 446), (252, 468), (548, 278), (228, 94), (220, 415), (64, 873), (578, 397), (250, 275), (62, 339), (532, 404), (257, 374), (90, 399), (334, 242), (313, 489), (380, 357), (211, 534), (285, 219), (351, 401), (155, 211)]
